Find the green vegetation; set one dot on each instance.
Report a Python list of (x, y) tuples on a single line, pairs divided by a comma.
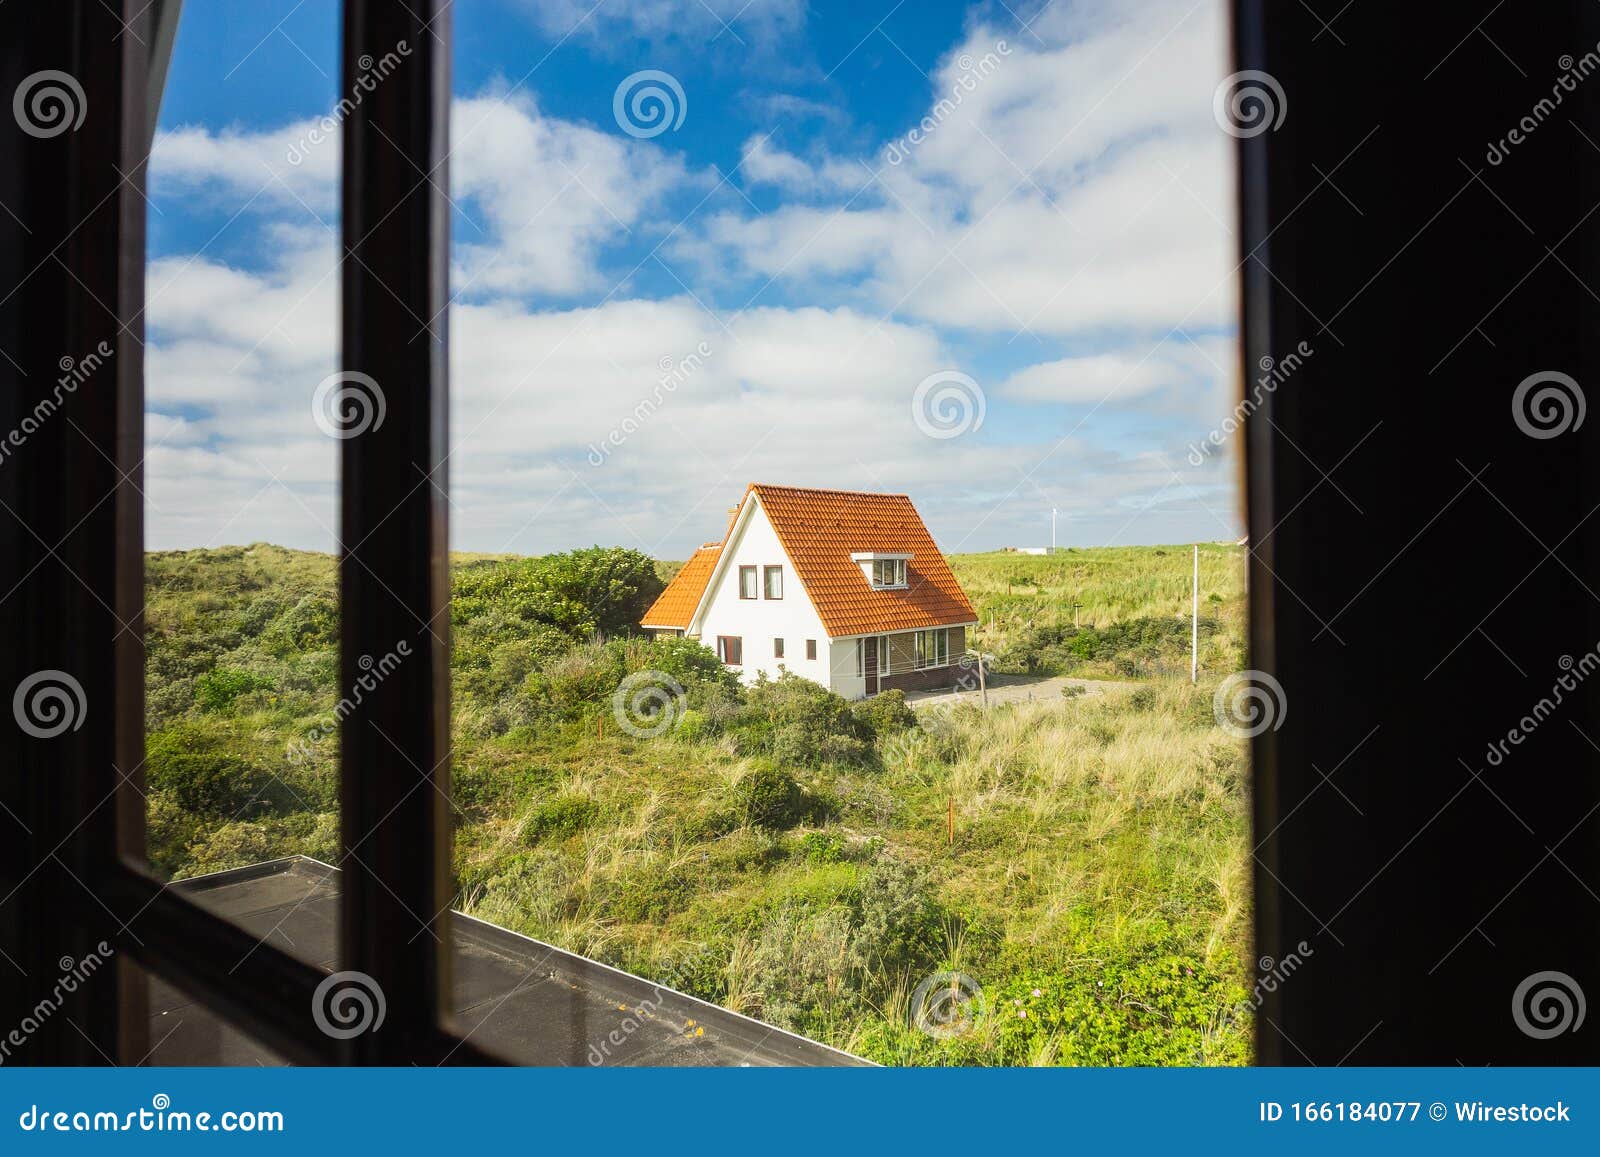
[(774, 848), (1133, 610)]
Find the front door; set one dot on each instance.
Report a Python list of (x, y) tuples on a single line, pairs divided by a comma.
[(869, 664)]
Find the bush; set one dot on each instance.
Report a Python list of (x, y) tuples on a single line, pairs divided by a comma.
[(217, 689), (771, 798), (579, 592), (899, 925), (884, 714), (312, 624), (802, 723), (561, 817), (1132, 647), (199, 770), (1159, 1010), (584, 677)]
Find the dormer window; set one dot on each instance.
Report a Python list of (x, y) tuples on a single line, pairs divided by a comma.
[(886, 572)]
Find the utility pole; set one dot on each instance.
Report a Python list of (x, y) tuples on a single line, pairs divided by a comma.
[(1194, 638), (1053, 513)]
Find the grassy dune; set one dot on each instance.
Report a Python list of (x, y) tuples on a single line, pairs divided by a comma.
[(1095, 886)]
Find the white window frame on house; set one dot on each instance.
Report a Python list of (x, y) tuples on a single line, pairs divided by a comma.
[(883, 570), (933, 649), (755, 583), (768, 573), (888, 573), (861, 655)]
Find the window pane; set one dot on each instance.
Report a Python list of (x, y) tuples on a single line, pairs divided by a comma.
[(634, 346), (246, 410)]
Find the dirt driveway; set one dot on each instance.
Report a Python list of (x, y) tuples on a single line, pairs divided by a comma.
[(1016, 689)]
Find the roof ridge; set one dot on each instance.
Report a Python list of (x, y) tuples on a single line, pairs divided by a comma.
[(828, 490)]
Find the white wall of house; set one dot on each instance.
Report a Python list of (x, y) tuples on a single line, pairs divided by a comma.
[(760, 620), (842, 665)]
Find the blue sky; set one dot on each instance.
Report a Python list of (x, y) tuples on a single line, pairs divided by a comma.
[(790, 285)]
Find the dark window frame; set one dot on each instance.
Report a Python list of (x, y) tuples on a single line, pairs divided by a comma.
[(767, 573), (71, 534), (777, 648), (397, 227), (811, 649), (755, 583), (730, 649)]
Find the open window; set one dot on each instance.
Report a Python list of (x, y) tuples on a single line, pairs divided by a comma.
[(1432, 885)]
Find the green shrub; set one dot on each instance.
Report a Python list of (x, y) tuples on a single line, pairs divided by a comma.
[(312, 624), (771, 798), (822, 847), (899, 925), (203, 772), (1142, 646), (1156, 1010), (801, 723), (561, 817), (884, 714), (217, 689)]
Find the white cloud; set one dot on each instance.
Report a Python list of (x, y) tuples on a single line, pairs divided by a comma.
[(1078, 190), (1088, 379), (537, 198), (552, 195), (763, 163), (1057, 189)]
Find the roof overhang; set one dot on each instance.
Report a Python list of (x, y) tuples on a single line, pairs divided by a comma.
[(903, 630)]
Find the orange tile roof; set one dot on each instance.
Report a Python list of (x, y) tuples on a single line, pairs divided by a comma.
[(674, 607), (819, 530)]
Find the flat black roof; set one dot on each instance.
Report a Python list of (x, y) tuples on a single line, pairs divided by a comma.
[(533, 1002)]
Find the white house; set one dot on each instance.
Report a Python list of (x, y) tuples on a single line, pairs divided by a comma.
[(842, 587)]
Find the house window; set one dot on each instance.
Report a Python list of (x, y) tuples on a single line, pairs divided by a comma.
[(747, 582), (730, 649), (889, 572), (811, 648), (933, 648), (777, 648), (879, 641), (774, 581)]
